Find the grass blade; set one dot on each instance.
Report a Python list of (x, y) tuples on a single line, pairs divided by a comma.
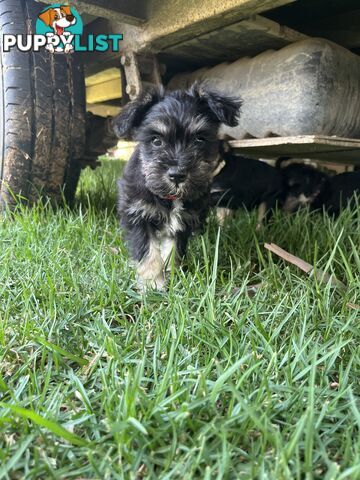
[(11, 463), (225, 376), (61, 351), (51, 426)]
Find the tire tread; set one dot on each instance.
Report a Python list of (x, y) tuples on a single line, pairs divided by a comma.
[(38, 124)]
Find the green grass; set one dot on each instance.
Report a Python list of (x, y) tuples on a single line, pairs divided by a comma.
[(202, 381)]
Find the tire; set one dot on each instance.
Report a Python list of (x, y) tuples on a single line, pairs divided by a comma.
[(42, 114)]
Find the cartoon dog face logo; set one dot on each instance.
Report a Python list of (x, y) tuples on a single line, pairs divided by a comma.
[(59, 19)]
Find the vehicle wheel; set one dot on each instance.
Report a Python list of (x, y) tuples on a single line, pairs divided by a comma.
[(42, 114)]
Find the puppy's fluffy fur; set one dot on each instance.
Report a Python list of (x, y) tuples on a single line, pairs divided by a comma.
[(244, 182), (249, 183), (164, 193), (338, 192), (302, 185)]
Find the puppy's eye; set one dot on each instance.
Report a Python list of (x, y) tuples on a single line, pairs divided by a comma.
[(200, 139), (157, 141)]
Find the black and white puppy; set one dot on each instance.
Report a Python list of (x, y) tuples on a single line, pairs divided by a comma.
[(245, 183), (302, 185), (338, 192), (164, 193)]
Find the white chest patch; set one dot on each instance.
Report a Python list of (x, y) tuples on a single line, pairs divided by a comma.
[(167, 245), (175, 223), (303, 199)]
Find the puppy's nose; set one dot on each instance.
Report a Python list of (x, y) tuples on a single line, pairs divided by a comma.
[(176, 175), (70, 18)]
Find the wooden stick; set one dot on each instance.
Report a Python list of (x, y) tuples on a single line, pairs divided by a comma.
[(305, 266)]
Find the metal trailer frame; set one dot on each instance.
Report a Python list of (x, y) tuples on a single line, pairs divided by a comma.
[(149, 36)]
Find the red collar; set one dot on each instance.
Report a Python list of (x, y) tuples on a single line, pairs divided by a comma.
[(171, 197)]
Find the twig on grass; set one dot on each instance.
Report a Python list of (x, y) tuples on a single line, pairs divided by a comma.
[(320, 275), (306, 267)]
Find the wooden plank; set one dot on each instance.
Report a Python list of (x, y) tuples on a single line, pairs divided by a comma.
[(173, 21), (246, 38), (317, 147)]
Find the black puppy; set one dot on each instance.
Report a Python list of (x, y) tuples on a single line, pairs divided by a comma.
[(302, 185), (338, 192), (164, 193), (244, 182)]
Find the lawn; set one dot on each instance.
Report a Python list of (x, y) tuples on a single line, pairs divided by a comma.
[(208, 380)]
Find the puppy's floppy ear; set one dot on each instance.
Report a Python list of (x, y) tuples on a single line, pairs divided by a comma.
[(46, 16), (225, 108), (66, 9), (132, 115)]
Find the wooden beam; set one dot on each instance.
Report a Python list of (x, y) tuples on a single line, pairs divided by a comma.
[(173, 21), (168, 22), (245, 38), (317, 147)]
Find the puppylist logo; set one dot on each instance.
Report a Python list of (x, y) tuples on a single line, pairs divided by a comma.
[(59, 29)]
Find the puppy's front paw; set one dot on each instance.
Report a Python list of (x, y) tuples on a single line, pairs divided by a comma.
[(222, 214), (150, 271), (151, 284), (50, 48)]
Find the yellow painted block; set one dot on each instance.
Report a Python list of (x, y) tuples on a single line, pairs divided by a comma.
[(101, 92), (103, 76)]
